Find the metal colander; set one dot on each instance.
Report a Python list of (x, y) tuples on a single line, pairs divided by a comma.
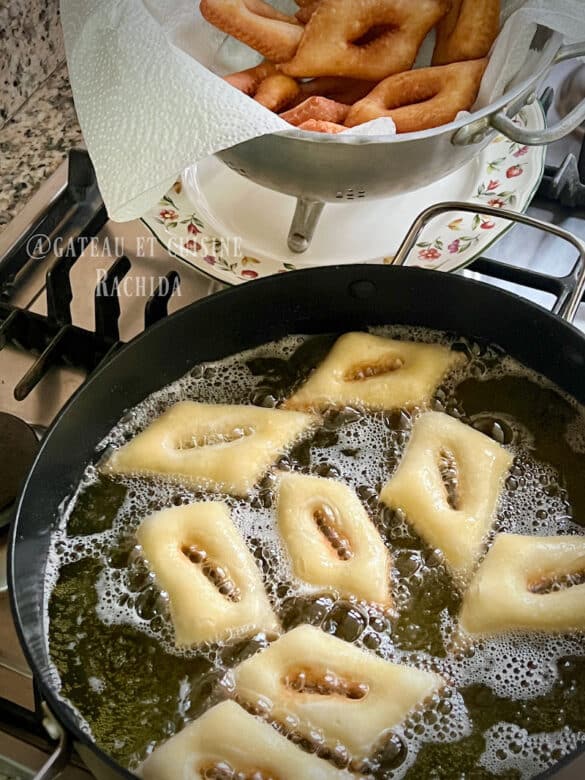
[(317, 169)]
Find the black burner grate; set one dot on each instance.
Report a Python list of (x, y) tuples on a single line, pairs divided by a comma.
[(565, 184), (78, 214)]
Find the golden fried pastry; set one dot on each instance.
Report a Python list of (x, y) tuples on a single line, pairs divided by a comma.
[(448, 484), (256, 24), (307, 10), (423, 98), (468, 31), (277, 92), (211, 446), (332, 542), (377, 373), (248, 81), (342, 90), (265, 84), (227, 742), (514, 588), (365, 39), (320, 126), (318, 108), (352, 696), (214, 586), (284, 92)]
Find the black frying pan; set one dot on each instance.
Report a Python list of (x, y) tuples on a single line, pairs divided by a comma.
[(324, 300)]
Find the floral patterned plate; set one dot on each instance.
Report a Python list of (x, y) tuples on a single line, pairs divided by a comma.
[(235, 230)]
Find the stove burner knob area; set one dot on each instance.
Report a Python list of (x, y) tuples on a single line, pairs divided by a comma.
[(18, 447)]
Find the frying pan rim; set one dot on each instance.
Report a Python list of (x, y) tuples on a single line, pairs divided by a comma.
[(61, 711)]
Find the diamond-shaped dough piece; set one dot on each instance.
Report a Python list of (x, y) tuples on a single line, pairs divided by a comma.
[(211, 446), (502, 597), (369, 695), (360, 566), (227, 736), (200, 613), (376, 373), (417, 487)]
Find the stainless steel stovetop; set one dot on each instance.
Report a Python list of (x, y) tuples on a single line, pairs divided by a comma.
[(22, 747)]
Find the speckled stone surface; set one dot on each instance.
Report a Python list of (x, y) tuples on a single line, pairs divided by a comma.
[(31, 48), (35, 142)]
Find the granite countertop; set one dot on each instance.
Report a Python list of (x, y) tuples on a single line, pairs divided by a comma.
[(35, 141)]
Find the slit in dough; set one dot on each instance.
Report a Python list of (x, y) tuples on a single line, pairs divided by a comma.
[(214, 586), (331, 540), (350, 695), (419, 488), (504, 594), (227, 737), (372, 372), (211, 446)]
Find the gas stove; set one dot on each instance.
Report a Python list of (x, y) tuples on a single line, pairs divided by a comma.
[(61, 314), (66, 305)]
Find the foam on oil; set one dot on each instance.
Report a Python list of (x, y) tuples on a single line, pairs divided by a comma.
[(361, 450)]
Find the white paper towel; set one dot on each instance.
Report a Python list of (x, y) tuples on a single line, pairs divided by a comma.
[(149, 104), (511, 52)]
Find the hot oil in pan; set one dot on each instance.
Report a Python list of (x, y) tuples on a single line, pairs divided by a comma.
[(517, 704)]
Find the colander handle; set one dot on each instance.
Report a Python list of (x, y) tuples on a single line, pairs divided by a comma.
[(522, 135), (567, 305)]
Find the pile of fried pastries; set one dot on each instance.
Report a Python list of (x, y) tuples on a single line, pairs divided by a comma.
[(337, 64)]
